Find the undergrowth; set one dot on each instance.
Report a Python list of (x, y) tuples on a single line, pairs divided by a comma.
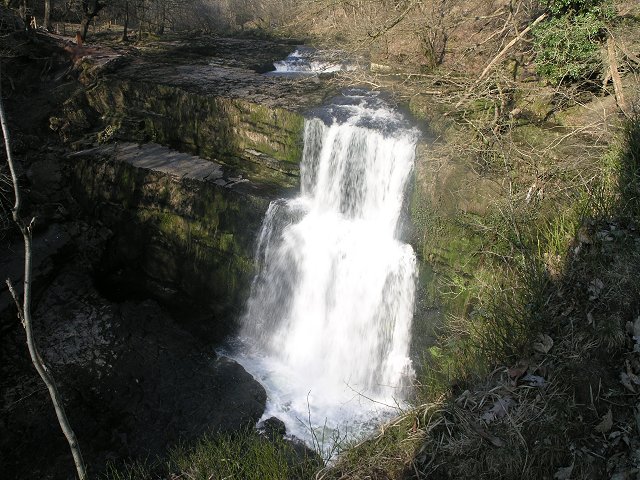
[(243, 455), (524, 379)]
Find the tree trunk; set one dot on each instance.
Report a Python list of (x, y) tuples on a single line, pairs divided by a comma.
[(24, 311), (163, 19), (46, 21), (23, 10), (141, 21), (90, 8), (85, 27), (125, 30)]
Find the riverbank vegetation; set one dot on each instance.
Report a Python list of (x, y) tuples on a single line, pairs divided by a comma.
[(525, 214), (526, 221)]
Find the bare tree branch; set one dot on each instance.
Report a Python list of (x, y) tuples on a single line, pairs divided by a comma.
[(24, 310), (509, 45), (615, 74), (393, 23)]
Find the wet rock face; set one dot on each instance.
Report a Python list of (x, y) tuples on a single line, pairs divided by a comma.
[(184, 230), (217, 128), (134, 383)]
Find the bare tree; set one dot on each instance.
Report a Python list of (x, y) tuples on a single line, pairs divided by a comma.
[(24, 308), (90, 9), (46, 21)]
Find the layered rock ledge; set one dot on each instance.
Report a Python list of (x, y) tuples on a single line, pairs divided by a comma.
[(183, 227), (219, 106)]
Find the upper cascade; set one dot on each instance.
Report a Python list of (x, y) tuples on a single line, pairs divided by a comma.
[(307, 60)]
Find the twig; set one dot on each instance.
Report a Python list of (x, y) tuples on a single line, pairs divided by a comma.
[(24, 310), (398, 19), (369, 398), (509, 45)]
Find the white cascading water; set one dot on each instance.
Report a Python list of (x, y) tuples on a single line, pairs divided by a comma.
[(327, 325), (305, 60)]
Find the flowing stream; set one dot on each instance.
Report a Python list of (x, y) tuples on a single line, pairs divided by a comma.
[(306, 60), (327, 326)]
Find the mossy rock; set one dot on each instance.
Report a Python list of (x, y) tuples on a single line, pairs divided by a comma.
[(213, 127), (180, 240)]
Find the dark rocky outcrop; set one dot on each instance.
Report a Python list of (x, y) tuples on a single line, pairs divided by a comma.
[(134, 382)]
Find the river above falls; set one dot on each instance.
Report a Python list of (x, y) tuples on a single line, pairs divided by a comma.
[(309, 61), (327, 326)]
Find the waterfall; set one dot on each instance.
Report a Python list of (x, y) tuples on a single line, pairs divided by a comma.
[(327, 324)]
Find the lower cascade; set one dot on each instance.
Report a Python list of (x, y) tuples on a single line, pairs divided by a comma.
[(327, 326)]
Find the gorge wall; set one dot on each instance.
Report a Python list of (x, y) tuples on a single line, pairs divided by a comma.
[(180, 237)]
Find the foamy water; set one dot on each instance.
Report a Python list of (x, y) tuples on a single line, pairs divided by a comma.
[(305, 60)]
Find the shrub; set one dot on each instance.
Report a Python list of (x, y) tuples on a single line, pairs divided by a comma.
[(568, 44), (597, 7), (568, 47)]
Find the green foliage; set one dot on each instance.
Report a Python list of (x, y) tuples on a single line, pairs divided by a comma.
[(568, 47), (568, 44), (243, 455), (231, 457), (562, 7)]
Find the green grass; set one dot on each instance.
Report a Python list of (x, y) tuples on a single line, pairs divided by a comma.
[(136, 470), (242, 455)]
